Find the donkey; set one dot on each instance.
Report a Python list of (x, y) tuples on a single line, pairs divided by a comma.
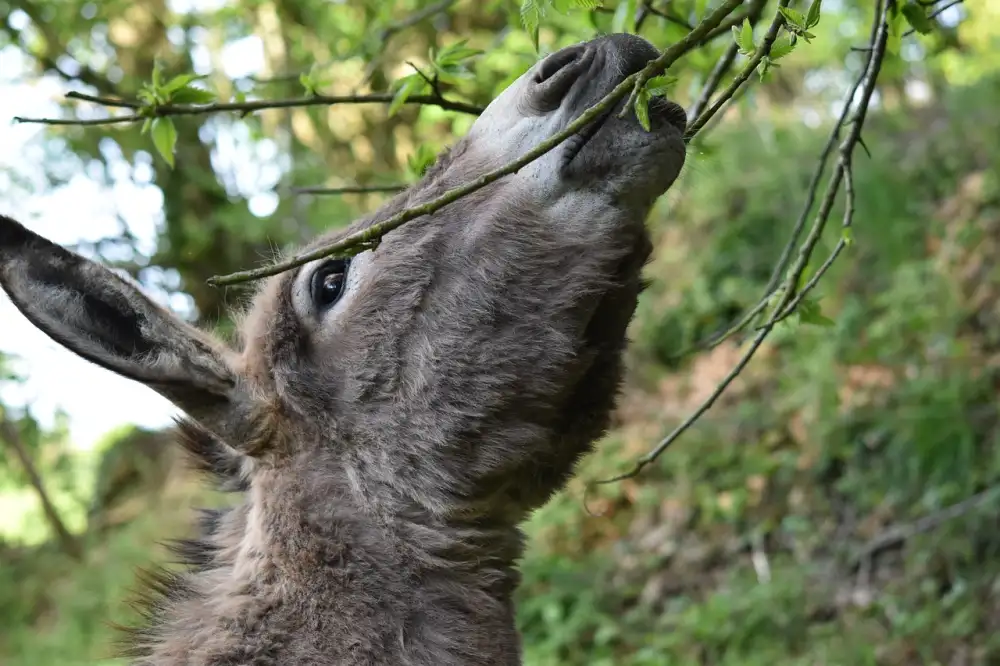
[(389, 420)]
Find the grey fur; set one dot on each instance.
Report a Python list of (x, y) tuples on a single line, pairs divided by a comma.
[(388, 449)]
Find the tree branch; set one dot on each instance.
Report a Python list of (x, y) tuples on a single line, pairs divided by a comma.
[(799, 227), (69, 543), (763, 50), (781, 310), (351, 189), (367, 237), (901, 533), (242, 107), (723, 65)]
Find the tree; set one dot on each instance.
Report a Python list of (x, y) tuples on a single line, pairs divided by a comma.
[(165, 98)]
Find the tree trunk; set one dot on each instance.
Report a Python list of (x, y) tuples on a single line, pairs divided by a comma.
[(68, 543)]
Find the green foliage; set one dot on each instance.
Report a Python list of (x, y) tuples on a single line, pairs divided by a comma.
[(874, 405), (657, 86)]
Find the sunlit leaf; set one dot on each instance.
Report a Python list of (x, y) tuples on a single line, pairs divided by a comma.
[(164, 138)]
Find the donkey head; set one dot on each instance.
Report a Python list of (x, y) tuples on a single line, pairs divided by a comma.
[(461, 367)]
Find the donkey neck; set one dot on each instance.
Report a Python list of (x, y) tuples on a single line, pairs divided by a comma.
[(355, 584)]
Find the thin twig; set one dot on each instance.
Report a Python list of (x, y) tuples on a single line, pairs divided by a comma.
[(761, 51), (714, 79), (800, 223), (351, 189), (869, 78), (373, 233), (723, 65), (900, 533), (247, 107), (103, 101), (849, 206), (69, 543)]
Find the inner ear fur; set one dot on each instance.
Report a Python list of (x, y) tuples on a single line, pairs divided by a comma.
[(107, 320)]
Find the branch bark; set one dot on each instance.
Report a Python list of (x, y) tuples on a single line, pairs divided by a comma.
[(788, 298), (369, 236), (242, 107), (69, 543)]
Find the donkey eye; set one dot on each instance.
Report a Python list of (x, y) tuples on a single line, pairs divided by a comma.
[(328, 282)]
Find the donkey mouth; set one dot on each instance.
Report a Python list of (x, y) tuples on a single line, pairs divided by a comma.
[(660, 109)]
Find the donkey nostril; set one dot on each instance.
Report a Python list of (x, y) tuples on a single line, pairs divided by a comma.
[(557, 61), (556, 76)]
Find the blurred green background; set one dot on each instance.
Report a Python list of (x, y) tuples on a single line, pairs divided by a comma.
[(799, 522)]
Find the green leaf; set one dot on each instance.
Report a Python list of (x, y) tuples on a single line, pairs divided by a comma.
[(157, 74), (641, 106), (847, 235), (410, 84), (809, 312), (164, 138), (453, 54), (421, 160), (812, 16), (193, 96), (659, 86), (624, 18), (179, 82), (895, 37), (744, 37), (793, 16), (917, 17), (588, 4), (240, 97), (764, 66), (781, 47), (531, 17), (307, 83)]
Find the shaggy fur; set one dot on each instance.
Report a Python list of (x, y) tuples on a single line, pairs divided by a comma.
[(387, 448)]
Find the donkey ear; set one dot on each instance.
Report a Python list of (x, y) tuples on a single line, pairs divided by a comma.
[(93, 312)]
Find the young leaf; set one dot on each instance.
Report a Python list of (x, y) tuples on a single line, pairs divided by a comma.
[(794, 17), (193, 96), (781, 48), (157, 74), (624, 18), (453, 54), (917, 17), (847, 235), (812, 16), (895, 36), (809, 313), (164, 138), (307, 83), (409, 85), (179, 82), (531, 17), (744, 37), (587, 4), (658, 86), (421, 160), (764, 66), (641, 106)]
